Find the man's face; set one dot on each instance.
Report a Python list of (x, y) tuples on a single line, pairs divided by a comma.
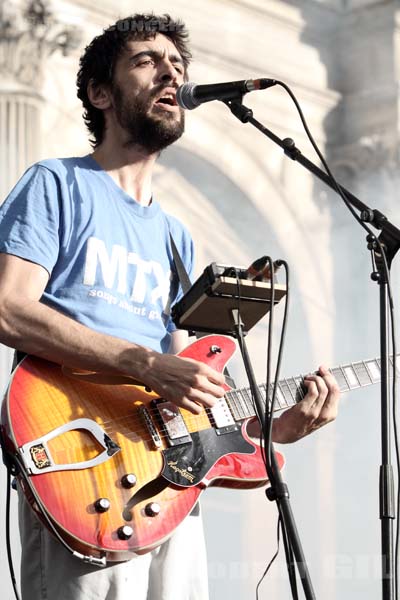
[(144, 88)]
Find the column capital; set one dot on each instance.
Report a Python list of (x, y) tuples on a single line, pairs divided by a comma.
[(29, 33)]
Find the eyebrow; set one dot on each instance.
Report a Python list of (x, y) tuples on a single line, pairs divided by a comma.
[(174, 58)]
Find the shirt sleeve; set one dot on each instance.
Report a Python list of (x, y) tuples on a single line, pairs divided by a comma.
[(30, 218)]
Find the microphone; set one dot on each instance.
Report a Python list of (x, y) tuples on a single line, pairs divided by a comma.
[(190, 95)]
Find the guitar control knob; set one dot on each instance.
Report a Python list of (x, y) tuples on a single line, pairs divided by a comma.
[(215, 349), (152, 509), (128, 480), (125, 532), (102, 505)]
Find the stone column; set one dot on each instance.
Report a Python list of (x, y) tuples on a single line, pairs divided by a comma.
[(29, 34)]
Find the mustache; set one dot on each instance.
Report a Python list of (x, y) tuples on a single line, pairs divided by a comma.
[(160, 88)]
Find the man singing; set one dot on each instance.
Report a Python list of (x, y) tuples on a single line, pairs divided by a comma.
[(85, 281)]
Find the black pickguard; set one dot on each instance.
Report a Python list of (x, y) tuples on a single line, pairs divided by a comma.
[(187, 464)]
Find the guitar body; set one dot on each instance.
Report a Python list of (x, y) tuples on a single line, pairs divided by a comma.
[(113, 467)]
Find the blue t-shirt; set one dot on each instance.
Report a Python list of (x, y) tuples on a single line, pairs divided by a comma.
[(109, 258)]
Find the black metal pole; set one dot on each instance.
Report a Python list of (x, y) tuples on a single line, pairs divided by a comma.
[(390, 242), (386, 485), (278, 490)]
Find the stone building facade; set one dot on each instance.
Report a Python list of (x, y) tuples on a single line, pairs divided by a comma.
[(242, 197)]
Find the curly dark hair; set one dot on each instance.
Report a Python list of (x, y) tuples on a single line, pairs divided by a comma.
[(99, 59)]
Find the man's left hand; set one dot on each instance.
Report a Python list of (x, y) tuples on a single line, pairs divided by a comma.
[(318, 407)]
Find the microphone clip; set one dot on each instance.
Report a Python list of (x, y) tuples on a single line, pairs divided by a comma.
[(239, 110)]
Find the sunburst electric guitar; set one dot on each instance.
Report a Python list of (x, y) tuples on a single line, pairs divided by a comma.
[(114, 469)]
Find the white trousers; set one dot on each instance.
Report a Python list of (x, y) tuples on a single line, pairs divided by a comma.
[(177, 570)]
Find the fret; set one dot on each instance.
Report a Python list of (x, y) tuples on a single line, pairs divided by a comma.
[(341, 379), (247, 401), (281, 393), (350, 377), (367, 371), (241, 403), (362, 373), (280, 398), (355, 373), (378, 363), (263, 392), (290, 391), (343, 370), (293, 389), (286, 393), (238, 400), (374, 370), (231, 398), (299, 389)]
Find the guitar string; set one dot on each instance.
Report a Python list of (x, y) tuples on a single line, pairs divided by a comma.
[(232, 404), (189, 419), (206, 414), (286, 387), (131, 435), (164, 433), (230, 398), (162, 430)]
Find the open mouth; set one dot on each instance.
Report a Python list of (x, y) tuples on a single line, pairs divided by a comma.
[(168, 100)]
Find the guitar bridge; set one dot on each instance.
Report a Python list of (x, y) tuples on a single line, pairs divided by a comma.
[(155, 438), (172, 422)]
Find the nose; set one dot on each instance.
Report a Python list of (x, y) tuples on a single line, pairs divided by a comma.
[(167, 71)]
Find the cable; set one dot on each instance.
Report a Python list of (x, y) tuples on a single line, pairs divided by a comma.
[(290, 563), (278, 529), (8, 540), (268, 417), (374, 243), (271, 405)]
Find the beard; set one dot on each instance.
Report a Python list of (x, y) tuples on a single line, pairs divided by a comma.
[(153, 132)]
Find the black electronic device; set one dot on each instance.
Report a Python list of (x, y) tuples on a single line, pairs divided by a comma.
[(208, 304)]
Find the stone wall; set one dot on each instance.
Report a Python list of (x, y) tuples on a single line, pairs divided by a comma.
[(241, 198)]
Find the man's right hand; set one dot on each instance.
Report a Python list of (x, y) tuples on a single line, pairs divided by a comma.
[(186, 382)]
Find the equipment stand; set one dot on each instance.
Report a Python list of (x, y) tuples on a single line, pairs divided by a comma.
[(384, 253), (278, 490)]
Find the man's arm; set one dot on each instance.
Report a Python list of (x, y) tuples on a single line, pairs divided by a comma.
[(36, 329), (318, 407), (32, 327)]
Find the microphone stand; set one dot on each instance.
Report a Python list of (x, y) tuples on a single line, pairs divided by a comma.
[(390, 242)]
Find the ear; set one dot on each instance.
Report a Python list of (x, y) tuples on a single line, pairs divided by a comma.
[(99, 95)]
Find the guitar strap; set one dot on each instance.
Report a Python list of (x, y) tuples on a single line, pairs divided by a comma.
[(183, 276), (186, 284)]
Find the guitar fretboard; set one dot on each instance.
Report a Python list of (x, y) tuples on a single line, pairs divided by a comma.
[(290, 391)]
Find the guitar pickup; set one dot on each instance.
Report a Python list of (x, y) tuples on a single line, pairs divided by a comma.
[(173, 423)]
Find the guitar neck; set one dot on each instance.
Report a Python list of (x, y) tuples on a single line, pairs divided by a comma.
[(290, 391)]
